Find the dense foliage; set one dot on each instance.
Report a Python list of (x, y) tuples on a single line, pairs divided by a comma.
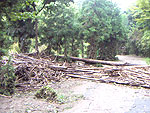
[(6, 7), (7, 79), (103, 28), (93, 31), (140, 31), (58, 29)]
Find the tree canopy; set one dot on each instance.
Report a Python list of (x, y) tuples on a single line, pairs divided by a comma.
[(92, 30), (102, 24), (140, 32)]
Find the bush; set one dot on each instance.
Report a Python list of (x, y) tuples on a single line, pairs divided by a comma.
[(144, 44), (147, 60), (46, 93), (7, 78)]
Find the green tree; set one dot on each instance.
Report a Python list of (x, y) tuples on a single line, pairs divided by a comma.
[(143, 44), (102, 23), (7, 77), (142, 14), (140, 33), (59, 29), (6, 7), (24, 23)]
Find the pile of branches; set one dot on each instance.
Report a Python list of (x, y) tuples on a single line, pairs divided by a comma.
[(126, 75), (35, 72), (32, 72)]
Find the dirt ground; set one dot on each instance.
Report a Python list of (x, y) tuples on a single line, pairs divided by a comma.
[(83, 96), (27, 103)]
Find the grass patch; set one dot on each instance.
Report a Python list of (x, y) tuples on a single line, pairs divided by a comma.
[(50, 95), (46, 93), (147, 60), (61, 99)]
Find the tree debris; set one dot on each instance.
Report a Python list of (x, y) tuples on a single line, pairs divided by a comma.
[(93, 61), (33, 73)]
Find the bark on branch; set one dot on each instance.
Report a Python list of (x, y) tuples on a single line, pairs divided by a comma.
[(93, 61)]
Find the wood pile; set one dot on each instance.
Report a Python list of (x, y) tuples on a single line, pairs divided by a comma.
[(128, 75), (34, 72)]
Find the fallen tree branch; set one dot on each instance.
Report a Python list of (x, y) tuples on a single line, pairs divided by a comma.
[(93, 61), (5, 96), (32, 72), (139, 71), (108, 81)]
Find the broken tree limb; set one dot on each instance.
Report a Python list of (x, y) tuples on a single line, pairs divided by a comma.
[(138, 71), (81, 70), (98, 79), (5, 96), (58, 68), (38, 71), (88, 78), (108, 81), (93, 61)]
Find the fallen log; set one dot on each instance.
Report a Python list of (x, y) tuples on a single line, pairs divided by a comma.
[(139, 71), (98, 79), (108, 81), (58, 68), (82, 70), (93, 61), (5, 96), (87, 78), (38, 71)]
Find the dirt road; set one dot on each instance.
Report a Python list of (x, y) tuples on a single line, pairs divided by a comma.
[(111, 98), (132, 59)]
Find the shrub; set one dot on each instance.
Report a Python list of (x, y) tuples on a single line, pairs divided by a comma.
[(46, 93), (7, 78)]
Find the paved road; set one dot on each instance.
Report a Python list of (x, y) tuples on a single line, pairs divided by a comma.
[(107, 98), (110, 98), (132, 59)]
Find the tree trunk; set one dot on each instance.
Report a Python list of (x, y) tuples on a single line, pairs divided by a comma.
[(65, 49), (36, 37), (48, 49), (24, 44), (82, 48), (92, 48), (107, 50), (93, 61), (72, 47)]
